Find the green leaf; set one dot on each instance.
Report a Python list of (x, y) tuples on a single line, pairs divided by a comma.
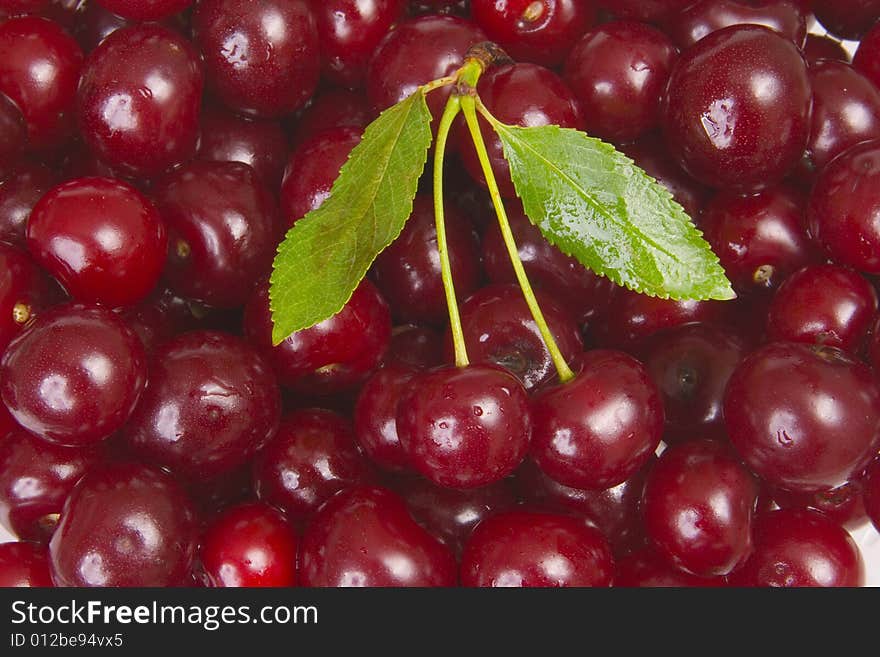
[(596, 205), (326, 254)]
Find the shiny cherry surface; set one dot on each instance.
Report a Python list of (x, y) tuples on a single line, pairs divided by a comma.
[(703, 18), (375, 416), (24, 565), (145, 10), (844, 505)]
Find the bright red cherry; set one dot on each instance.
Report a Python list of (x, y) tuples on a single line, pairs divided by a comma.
[(24, 565), (145, 10), (375, 416), (702, 18)]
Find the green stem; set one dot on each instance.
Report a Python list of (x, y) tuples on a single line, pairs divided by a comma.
[(468, 106), (439, 82), (453, 107)]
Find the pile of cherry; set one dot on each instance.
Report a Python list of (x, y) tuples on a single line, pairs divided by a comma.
[(153, 154)]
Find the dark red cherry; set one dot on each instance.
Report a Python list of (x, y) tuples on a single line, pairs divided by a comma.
[(759, 239), (737, 108), (866, 59), (518, 94), (262, 58), (40, 66), (365, 537), (101, 238), (703, 18), (800, 548), (225, 137), (334, 355), (250, 545), (527, 549), (819, 47), (35, 479), (74, 375), (14, 7), (223, 228), (13, 135), (847, 19), (145, 10), (95, 23), (455, 7), (499, 328), (375, 416), (124, 525), (313, 168), (648, 569), (139, 99), (25, 291), (408, 272), (414, 347), (541, 32), (823, 305), (618, 71), (691, 366), (843, 205), (803, 418), (871, 492), (465, 427), (844, 505), (212, 403), (313, 455), (24, 565), (332, 108), (600, 428), (21, 190), (645, 10)]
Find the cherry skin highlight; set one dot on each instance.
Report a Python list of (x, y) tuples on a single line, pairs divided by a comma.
[(24, 565)]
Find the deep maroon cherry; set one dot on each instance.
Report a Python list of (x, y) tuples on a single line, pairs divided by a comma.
[(223, 228), (261, 58), (212, 403), (145, 10), (95, 23), (24, 565), (800, 548), (13, 135), (249, 545), (871, 492), (844, 505), (313, 455), (703, 18), (366, 537), (313, 168), (39, 69), (844, 204), (375, 416), (101, 238), (691, 366), (35, 479), (414, 347), (124, 525), (847, 19), (465, 427), (528, 549), (139, 99), (229, 138), (819, 47), (518, 94), (334, 355), (74, 375), (498, 328), (803, 418), (15, 7), (737, 108), (618, 71), (408, 272), (645, 10), (332, 108), (648, 569), (21, 190), (541, 32), (25, 291), (866, 59)]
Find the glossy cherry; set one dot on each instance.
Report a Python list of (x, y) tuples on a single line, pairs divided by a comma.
[(25, 291), (366, 537), (332, 108), (865, 59), (145, 10), (703, 18), (415, 347), (21, 190), (844, 505), (24, 565), (821, 47), (375, 416), (648, 569), (847, 19)]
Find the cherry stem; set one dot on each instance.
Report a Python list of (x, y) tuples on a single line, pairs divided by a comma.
[(468, 106), (453, 107)]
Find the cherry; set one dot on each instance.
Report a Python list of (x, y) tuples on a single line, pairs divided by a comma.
[(74, 375), (333, 356), (707, 16), (541, 32), (261, 59), (101, 238), (737, 108), (842, 207), (24, 565), (759, 239), (124, 525), (249, 545), (408, 272), (847, 19), (212, 403), (375, 416), (313, 455), (13, 135), (498, 328), (23, 6), (35, 479), (800, 548), (349, 33), (618, 71), (21, 190), (229, 138), (456, 7), (844, 505), (691, 366), (365, 537), (871, 494), (46, 99), (645, 10), (648, 569), (332, 108), (141, 10), (313, 168), (414, 347), (95, 23), (574, 286), (528, 549), (25, 291), (600, 428), (465, 427), (139, 99), (819, 47), (517, 94), (222, 231), (803, 418), (825, 305), (866, 60)]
